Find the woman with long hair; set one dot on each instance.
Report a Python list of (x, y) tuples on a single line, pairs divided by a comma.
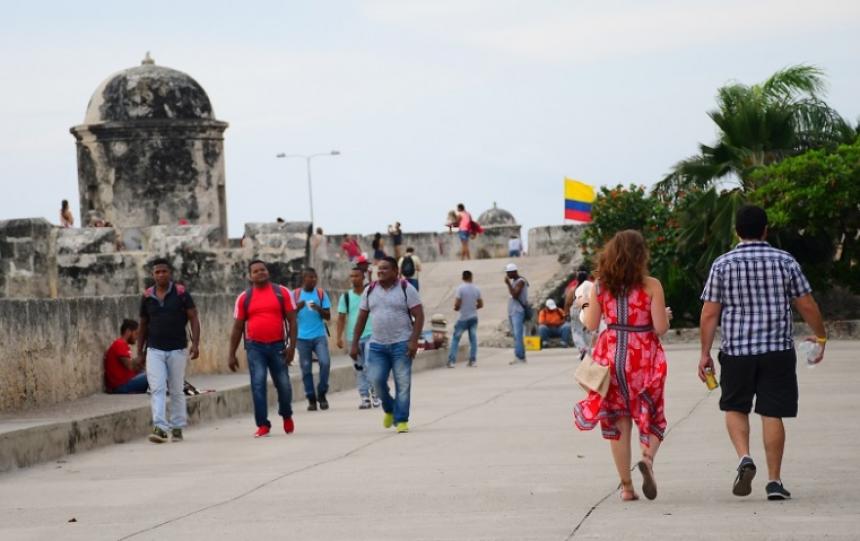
[(634, 308), (66, 217)]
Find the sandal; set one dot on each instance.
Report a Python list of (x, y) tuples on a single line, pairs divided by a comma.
[(649, 484), (628, 494)]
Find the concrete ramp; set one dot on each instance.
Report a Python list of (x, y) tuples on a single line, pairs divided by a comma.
[(439, 281)]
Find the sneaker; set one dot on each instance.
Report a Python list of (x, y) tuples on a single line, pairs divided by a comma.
[(450, 364), (312, 404), (158, 435), (472, 364), (365, 403), (176, 435), (402, 427), (374, 400), (775, 491), (743, 481), (388, 420), (262, 431), (517, 361), (289, 425), (323, 402)]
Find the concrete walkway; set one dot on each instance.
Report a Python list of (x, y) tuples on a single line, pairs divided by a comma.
[(492, 455)]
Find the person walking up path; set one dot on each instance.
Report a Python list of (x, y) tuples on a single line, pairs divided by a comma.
[(166, 309), (348, 309), (749, 292), (398, 319), (314, 310), (518, 310), (467, 301), (634, 307), (410, 267), (260, 314)]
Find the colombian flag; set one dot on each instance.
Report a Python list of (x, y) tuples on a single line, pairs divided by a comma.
[(578, 197)]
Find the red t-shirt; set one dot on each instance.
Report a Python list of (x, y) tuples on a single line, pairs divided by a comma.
[(351, 248), (116, 374), (264, 321)]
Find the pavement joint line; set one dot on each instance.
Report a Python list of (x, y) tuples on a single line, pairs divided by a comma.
[(607, 496), (333, 459)]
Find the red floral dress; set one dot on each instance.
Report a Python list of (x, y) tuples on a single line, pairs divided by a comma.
[(637, 370)]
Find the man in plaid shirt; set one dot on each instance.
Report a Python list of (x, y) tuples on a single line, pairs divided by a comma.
[(749, 292)]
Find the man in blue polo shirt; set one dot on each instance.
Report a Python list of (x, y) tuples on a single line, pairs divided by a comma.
[(314, 309)]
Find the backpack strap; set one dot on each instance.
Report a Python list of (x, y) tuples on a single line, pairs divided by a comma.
[(149, 292), (321, 295), (246, 302), (279, 294)]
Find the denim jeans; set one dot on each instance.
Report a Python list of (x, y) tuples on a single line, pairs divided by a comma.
[(362, 379), (135, 385), (383, 359), (318, 345), (464, 325), (517, 321), (546, 332), (166, 370), (266, 359)]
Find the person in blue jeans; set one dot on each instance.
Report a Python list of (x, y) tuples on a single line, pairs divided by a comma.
[(398, 319), (314, 309), (467, 301), (518, 289), (260, 314), (348, 308)]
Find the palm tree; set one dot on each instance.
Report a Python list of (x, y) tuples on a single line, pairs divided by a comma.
[(759, 125)]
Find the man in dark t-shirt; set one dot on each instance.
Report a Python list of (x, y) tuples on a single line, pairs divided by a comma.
[(123, 375), (165, 311)]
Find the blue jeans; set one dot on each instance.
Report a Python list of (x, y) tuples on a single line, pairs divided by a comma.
[(546, 332), (166, 370), (362, 379), (263, 359), (306, 348), (414, 282), (464, 325), (518, 324), (514, 253), (135, 385), (383, 359)]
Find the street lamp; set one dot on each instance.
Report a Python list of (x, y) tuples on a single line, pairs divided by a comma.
[(308, 158)]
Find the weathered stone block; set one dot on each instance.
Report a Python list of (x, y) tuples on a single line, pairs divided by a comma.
[(88, 240)]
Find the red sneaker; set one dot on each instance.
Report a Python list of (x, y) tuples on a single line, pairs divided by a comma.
[(262, 431), (289, 425)]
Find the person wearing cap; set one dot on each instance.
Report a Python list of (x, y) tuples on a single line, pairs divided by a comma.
[(518, 310), (552, 323)]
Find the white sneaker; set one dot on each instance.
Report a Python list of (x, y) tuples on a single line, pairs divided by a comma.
[(365, 403)]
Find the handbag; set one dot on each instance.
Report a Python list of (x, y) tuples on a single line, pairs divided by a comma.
[(592, 376)]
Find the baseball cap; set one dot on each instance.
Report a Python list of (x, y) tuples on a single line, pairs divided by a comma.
[(511, 267), (361, 259), (551, 304)]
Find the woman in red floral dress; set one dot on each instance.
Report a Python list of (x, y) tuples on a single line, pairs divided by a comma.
[(633, 307)]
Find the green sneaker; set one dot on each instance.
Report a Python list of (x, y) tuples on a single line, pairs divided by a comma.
[(388, 420), (176, 435), (158, 435), (402, 428)]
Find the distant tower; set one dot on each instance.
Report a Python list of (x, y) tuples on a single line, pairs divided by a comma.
[(150, 151)]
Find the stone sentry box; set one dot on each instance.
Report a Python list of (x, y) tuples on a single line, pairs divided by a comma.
[(150, 152)]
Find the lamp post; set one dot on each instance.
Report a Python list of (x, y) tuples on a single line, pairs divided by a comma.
[(308, 158)]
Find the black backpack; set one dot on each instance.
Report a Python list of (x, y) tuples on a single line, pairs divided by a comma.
[(407, 268)]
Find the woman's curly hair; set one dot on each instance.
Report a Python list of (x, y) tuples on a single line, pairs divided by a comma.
[(623, 262)]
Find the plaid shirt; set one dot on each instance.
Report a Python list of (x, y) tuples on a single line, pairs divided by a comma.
[(755, 283)]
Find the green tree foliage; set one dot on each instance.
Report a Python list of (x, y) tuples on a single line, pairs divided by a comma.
[(813, 206)]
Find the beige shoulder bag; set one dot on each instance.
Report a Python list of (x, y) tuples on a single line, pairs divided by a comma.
[(590, 375)]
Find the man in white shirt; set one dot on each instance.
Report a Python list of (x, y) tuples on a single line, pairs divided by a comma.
[(467, 301)]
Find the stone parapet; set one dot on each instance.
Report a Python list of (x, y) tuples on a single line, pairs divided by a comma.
[(28, 258), (556, 239)]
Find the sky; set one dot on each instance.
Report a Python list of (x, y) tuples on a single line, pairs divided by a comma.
[(430, 103)]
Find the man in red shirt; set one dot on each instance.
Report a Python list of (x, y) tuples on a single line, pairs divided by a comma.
[(351, 248), (260, 313), (122, 374)]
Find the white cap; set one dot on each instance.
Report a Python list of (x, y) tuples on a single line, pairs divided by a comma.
[(511, 267), (551, 304)]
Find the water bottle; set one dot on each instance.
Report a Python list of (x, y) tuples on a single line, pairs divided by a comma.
[(810, 350)]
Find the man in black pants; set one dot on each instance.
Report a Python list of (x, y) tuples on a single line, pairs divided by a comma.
[(750, 291)]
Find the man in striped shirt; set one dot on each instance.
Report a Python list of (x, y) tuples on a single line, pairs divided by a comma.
[(749, 292)]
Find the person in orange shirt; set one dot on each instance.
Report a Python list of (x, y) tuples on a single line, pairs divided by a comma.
[(553, 323)]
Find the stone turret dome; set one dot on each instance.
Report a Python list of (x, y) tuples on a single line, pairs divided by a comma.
[(148, 92), (496, 216)]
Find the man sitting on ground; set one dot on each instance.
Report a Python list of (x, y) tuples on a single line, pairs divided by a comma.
[(552, 323), (123, 375)]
